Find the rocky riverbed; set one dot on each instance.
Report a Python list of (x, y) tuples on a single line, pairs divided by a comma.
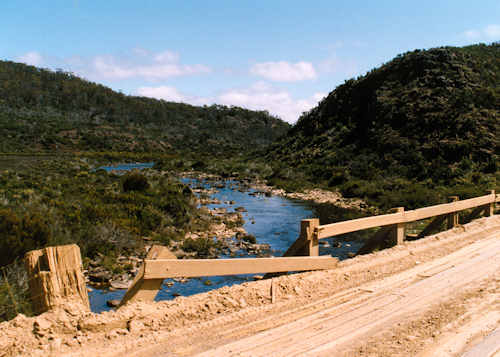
[(234, 206)]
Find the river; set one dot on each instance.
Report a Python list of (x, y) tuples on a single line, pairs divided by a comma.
[(272, 220)]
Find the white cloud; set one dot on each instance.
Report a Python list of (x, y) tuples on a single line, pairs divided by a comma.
[(260, 96), (162, 92), (492, 31), (488, 33), (161, 66), (472, 34), (172, 94), (335, 65), (32, 58), (167, 57), (284, 71)]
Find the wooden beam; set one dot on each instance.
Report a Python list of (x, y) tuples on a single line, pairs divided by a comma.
[(490, 209), (354, 225), (305, 245), (398, 230), (427, 212), (172, 268), (452, 221), (307, 230), (333, 229), (433, 226), (146, 290)]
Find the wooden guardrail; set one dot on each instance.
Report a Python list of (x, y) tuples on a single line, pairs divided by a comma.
[(395, 223), (303, 254)]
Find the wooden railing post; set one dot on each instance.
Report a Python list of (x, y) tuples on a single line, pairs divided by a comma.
[(398, 231), (307, 232), (490, 209), (452, 217)]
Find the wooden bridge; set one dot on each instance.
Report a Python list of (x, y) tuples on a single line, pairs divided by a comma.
[(381, 298), (303, 255)]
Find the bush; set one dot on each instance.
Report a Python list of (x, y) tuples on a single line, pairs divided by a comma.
[(249, 238), (19, 235), (135, 181), (14, 293), (202, 246)]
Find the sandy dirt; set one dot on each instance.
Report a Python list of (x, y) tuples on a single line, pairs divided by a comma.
[(439, 296)]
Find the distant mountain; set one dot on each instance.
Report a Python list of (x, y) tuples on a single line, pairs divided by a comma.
[(43, 110), (426, 116)]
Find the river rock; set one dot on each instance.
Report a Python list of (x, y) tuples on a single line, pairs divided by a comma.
[(240, 209), (100, 277), (120, 284), (113, 303)]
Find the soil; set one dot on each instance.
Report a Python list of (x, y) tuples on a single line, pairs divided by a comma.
[(438, 296)]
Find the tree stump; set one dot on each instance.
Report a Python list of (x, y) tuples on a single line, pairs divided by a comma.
[(56, 278)]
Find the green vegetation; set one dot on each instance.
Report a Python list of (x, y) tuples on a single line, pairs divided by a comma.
[(14, 294), (42, 110), (410, 132), (62, 200)]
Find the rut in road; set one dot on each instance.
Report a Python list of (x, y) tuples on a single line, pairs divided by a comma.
[(369, 309)]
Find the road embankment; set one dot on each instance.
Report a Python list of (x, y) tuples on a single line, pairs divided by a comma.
[(363, 287)]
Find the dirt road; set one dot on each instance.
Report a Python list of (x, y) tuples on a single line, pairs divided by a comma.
[(374, 307), (439, 296)]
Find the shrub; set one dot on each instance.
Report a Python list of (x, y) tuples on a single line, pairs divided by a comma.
[(249, 238), (135, 181), (202, 246), (20, 235)]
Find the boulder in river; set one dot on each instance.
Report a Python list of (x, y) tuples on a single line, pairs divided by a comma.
[(113, 303), (100, 277)]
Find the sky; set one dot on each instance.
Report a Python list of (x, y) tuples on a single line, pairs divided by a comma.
[(275, 55)]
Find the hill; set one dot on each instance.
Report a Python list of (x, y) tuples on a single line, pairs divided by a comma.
[(44, 110), (429, 117)]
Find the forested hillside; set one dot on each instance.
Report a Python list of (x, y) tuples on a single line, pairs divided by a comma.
[(425, 119), (43, 110)]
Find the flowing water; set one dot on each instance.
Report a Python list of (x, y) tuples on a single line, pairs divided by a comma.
[(272, 220)]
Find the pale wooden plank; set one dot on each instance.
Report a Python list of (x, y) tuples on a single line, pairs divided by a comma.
[(306, 243), (333, 229), (446, 208), (307, 230), (146, 290), (354, 225), (172, 268)]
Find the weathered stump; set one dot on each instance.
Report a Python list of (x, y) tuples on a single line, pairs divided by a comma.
[(56, 278)]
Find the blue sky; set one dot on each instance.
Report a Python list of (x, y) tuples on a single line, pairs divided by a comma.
[(280, 56)]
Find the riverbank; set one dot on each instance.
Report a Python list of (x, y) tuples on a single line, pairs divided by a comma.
[(315, 195), (267, 226)]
